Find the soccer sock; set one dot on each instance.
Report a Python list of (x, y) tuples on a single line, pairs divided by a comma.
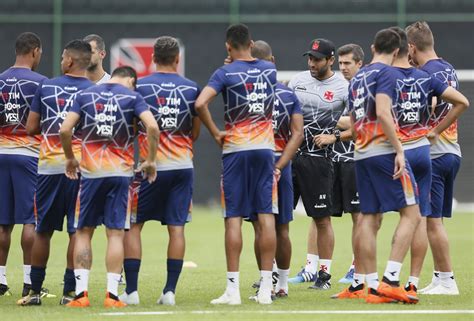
[(358, 280), (413, 280), (435, 279), (311, 263), (174, 268), (325, 265), (37, 275), (447, 278), (26, 274), (233, 283), (131, 268), (275, 267), (112, 283), (3, 275), (266, 284), (283, 280), (392, 271), (82, 280), (372, 280), (69, 282)]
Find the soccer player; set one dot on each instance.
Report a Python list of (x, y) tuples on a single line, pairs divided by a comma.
[(106, 114), (171, 99), (95, 71), (55, 193), (323, 97), (288, 131), (248, 88), (18, 154), (445, 159), (384, 181)]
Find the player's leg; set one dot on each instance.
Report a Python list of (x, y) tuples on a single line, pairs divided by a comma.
[(283, 258), (267, 249), (5, 241), (7, 219), (114, 259), (132, 262)]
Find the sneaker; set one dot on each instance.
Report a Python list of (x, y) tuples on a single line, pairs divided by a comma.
[(112, 301), (303, 276), (66, 298), (167, 298), (411, 289), (348, 278), (322, 282), (281, 294), (351, 293), (5, 290), (374, 297), (396, 292), (130, 298), (443, 289), (230, 299), (80, 301), (30, 299), (264, 298)]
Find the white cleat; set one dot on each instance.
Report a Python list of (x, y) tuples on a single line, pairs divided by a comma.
[(429, 287), (264, 297), (443, 289), (230, 299), (167, 298), (130, 299)]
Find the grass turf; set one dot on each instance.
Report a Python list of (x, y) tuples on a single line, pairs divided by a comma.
[(197, 286)]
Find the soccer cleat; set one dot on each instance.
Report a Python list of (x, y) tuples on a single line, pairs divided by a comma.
[(44, 292), (374, 297), (303, 276), (281, 294), (26, 289), (30, 299), (322, 282), (66, 298), (411, 289), (112, 301), (396, 292), (348, 278), (443, 289), (167, 298), (264, 297), (80, 301), (351, 293), (5, 290), (230, 299), (130, 298)]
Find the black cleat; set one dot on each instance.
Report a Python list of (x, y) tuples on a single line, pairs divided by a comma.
[(322, 282), (5, 290), (67, 298), (30, 299)]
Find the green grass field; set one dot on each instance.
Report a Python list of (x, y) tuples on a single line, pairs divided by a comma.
[(197, 286)]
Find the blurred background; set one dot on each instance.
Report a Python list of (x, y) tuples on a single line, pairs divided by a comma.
[(129, 27)]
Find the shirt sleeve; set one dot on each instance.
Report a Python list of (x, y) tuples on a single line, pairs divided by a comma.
[(77, 104), (36, 102), (140, 105), (438, 86), (296, 104), (191, 106), (217, 80)]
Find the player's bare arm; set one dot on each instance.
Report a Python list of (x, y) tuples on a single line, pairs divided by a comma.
[(296, 138), (196, 128), (65, 133), (148, 167), (202, 108), (33, 123)]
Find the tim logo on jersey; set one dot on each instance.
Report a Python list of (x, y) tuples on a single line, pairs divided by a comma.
[(410, 106), (11, 109), (105, 119), (256, 100)]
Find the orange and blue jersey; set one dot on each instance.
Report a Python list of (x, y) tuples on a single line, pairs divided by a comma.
[(373, 79), (286, 104), (248, 90), (52, 102), (448, 140), (18, 86), (107, 115), (171, 99)]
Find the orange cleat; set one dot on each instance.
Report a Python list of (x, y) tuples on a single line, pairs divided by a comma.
[(374, 297), (112, 301), (347, 293), (411, 290), (397, 293), (80, 301)]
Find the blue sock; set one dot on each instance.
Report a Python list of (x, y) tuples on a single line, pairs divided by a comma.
[(131, 268), (174, 268), (69, 282), (37, 276)]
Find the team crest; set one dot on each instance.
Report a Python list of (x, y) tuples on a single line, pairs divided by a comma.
[(329, 95)]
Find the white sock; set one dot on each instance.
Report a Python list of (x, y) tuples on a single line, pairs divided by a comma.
[(392, 271), (413, 280), (435, 279), (352, 264), (266, 281), (447, 278), (233, 283), (82, 280), (325, 265), (113, 280), (283, 280), (372, 280), (311, 263), (3, 275), (275, 267), (26, 274), (358, 280)]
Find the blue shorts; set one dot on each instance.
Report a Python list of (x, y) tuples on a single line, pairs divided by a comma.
[(285, 195), (56, 197), (18, 177), (445, 169), (378, 191), (167, 199), (420, 163), (104, 201), (248, 185)]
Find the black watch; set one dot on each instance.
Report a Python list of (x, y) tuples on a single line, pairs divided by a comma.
[(337, 134)]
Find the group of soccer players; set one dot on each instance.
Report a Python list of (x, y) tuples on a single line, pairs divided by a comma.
[(67, 149)]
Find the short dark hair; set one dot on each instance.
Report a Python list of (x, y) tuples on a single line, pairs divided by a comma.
[(98, 41), (165, 50), (419, 34), (80, 51), (238, 36), (261, 50), (124, 72), (26, 43), (354, 49), (386, 41), (403, 51)]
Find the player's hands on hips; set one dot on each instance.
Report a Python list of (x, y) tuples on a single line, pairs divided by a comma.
[(432, 137), (399, 165), (324, 139), (219, 137), (277, 173), (72, 168), (149, 170)]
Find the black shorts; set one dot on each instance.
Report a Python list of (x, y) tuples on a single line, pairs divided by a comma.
[(345, 196), (313, 181)]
